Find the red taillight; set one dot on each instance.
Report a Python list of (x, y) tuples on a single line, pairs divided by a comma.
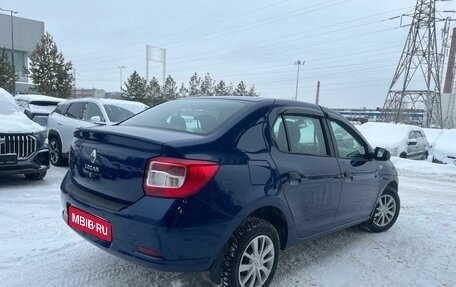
[(177, 178)]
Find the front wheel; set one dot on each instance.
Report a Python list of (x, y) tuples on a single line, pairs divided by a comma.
[(386, 211), (252, 254), (55, 151)]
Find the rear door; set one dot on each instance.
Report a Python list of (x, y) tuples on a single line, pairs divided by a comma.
[(310, 174), (73, 120), (360, 178)]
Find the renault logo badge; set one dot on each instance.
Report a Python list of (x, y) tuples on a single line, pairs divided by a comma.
[(93, 156)]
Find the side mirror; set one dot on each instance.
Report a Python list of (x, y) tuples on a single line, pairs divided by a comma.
[(381, 154), (96, 120), (412, 142)]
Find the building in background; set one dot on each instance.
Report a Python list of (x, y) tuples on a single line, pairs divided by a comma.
[(414, 117), (27, 34), (88, 93)]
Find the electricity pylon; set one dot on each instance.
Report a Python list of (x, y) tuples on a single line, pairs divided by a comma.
[(416, 84)]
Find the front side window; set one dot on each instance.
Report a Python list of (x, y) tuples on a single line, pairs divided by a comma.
[(348, 146), (299, 134)]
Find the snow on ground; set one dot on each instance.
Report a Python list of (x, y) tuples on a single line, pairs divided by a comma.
[(38, 249)]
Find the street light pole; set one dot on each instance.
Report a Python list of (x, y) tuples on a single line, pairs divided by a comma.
[(12, 47), (299, 63), (121, 68)]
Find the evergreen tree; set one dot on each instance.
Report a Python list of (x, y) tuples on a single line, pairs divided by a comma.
[(207, 86), (252, 92), (240, 89), (49, 71), (194, 86), (230, 89), (221, 89), (136, 88), (7, 75), (155, 92), (169, 91), (183, 92)]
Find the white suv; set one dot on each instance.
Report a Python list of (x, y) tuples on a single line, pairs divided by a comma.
[(86, 112)]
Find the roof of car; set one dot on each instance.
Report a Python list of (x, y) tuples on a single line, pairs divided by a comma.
[(32, 97), (4, 93), (105, 101), (264, 99)]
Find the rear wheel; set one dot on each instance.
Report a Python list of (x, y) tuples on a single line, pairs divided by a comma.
[(403, 155), (55, 151), (36, 175), (386, 211), (252, 255), (425, 155)]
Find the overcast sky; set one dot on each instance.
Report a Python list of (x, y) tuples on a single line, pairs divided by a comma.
[(348, 45)]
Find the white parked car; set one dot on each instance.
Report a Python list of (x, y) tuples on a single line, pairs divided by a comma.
[(23, 143), (444, 149), (400, 140), (80, 113), (37, 107)]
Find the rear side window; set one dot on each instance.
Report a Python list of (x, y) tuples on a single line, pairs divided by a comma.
[(300, 134), (76, 110), (199, 116), (61, 108)]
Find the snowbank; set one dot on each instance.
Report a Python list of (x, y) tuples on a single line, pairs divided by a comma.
[(425, 168)]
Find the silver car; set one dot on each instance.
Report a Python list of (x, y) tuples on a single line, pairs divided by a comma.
[(86, 112), (401, 140)]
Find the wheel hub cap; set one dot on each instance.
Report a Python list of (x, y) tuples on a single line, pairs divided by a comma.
[(385, 211), (256, 262)]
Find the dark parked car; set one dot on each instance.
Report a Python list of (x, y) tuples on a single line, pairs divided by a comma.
[(23, 143), (223, 184)]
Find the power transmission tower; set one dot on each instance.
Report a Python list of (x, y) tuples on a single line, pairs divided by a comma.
[(416, 84), (155, 54)]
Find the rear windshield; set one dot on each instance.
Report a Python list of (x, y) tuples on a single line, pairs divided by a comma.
[(118, 114), (200, 116)]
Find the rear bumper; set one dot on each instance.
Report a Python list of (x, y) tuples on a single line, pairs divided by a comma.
[(186, 235), (37, 162)]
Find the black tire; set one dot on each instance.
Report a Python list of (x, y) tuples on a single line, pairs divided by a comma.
[(425, 155), (374, 223), (239, 244), (55, 151), (36, 175), (403, 155)]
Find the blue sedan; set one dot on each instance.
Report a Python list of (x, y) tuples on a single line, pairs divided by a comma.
[(222, 184)]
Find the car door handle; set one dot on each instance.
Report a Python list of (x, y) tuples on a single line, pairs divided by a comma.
[(349, 174), (294, 178)]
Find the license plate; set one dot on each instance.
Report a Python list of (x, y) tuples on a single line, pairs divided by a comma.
[(8, 159), (89, 223)]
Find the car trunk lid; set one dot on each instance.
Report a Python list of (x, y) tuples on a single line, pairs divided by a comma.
[(110, 161)]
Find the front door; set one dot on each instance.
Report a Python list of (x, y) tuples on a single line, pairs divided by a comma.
[(310, 175), (360, 179)]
